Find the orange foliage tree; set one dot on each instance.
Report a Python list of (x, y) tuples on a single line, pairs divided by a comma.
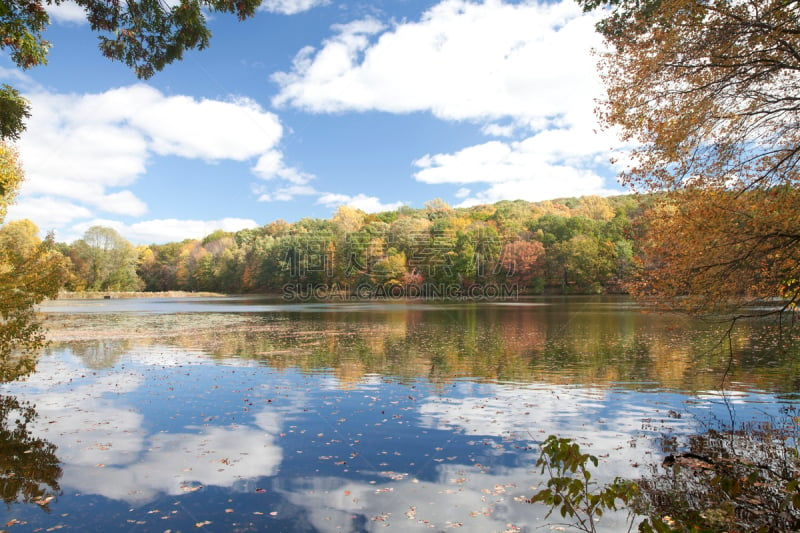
[(706, 93)]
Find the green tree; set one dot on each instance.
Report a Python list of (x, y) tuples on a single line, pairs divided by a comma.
[(108, 259), (477, 253), (512, 218), (255, 263), (14, 110), (157, 266)]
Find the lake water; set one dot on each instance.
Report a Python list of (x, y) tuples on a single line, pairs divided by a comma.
[(244, 414)]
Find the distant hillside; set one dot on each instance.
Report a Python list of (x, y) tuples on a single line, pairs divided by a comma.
[(571, 245)]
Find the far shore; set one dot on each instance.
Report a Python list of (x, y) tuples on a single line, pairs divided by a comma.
[(101, 295)]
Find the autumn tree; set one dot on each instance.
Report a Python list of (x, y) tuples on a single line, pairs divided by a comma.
[(391, 269), (30, 271), (522, 262), (348, 219), (706, 93)]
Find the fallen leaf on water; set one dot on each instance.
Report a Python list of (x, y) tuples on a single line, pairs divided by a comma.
[(43, 501)]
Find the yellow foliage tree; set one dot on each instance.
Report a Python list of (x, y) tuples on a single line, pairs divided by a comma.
[(30, 271), (706, 92), (348, 219)]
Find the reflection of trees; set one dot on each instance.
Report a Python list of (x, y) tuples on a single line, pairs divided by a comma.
[(29, 468), (100, 354), (583, 342), (571, 341)]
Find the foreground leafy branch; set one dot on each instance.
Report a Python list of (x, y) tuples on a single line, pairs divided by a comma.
[(746, 479), (570, 487)]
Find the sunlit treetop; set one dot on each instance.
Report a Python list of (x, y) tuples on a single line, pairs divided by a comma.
[(11, 175), (706, 90)]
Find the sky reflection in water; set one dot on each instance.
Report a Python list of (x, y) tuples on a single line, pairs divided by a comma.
[(322, 421)]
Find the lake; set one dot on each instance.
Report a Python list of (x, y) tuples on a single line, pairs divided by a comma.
[(247, 414)]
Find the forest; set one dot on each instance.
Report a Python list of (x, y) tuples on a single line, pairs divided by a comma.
[(584, 245)]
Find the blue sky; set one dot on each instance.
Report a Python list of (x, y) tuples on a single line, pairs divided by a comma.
[(310, 105)]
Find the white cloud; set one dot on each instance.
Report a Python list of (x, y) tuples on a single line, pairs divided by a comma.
[(48, 212), (331, 200), (70, 12), (201, 129), (83, 152), (291, 7), (368, 204), (461, 61), (76, 146), (497, 130), (17, 77), (551, 164), (567, 183), (521, 70), (171, 230), (270, 166), (159, 231), (124, 203), (287, 194), (67, 12)]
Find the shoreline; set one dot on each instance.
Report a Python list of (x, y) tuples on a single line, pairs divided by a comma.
[(115, 295)]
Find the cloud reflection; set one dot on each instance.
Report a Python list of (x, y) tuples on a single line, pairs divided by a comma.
[(107, 446), (178, 463), (463, 497), (607, 423)]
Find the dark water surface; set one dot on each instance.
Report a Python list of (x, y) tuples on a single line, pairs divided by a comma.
[(243, 414)]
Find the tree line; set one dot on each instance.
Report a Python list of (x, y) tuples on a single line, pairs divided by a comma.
[(576, 245)]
